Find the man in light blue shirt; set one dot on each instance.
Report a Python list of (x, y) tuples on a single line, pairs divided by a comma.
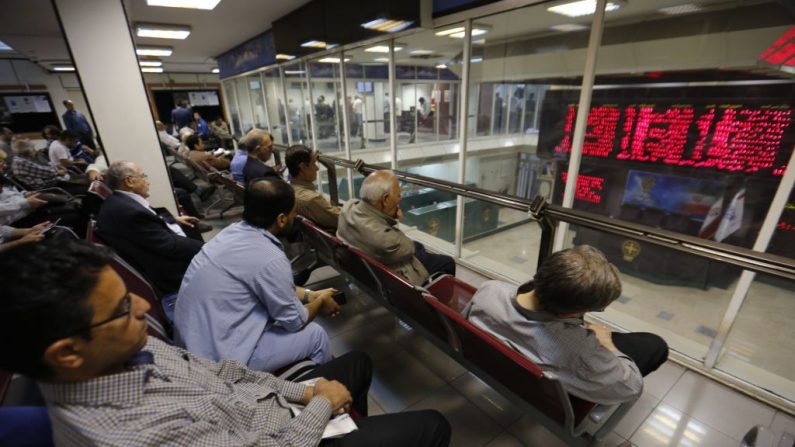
[(237, 299)]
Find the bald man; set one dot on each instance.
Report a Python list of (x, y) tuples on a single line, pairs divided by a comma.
[(370, 224), (259, 147)]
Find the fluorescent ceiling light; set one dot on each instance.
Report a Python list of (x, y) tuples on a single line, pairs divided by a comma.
[(152, 69), (216, 70), (447, 32), (387, 25), (4, 46), (150, 63), (381, 59), (475, 32), (63, 68), (191, 4), (158, 31), (420, 52), (153, 51), (566, 27), (686, 8), (458, 32), (294, 72), (381, 49), (581, 8), (331, 60), (331, 45), (284, 57), (476, 59), (314, 44), (441, 66)]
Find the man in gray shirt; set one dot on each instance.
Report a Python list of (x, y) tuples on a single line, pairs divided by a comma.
[(543, 320)]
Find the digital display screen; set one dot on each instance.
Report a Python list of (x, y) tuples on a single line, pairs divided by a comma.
[(739, 136), (364, 86)]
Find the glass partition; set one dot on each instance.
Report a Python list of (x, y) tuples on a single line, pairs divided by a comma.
[(274, 103), (257, 102), (243, 88), (367, 78), (327, 109), (231, 101), (298, 104)]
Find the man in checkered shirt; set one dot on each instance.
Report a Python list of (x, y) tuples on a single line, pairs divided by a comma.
[(82, 335)]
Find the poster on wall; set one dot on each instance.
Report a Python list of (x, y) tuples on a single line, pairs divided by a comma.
[(41, 104), (206, 98)]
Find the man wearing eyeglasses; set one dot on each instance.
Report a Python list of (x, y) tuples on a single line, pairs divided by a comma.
[(82, 335), (156, 245)]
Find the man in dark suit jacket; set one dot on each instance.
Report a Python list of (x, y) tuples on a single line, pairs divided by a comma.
[(259, 146), (156, 245)]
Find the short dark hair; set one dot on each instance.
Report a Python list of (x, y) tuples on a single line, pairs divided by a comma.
[(578, 279), (46, 286), (191, 141), (297, 154), (55, 130), (265, 199), (68, 135)]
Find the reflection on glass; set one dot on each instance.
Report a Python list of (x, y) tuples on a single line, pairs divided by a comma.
[(257, 102), (298, 104), (327, 108), (231, 101), (367, 75), (275, 106), (243, 88), (761, 344)]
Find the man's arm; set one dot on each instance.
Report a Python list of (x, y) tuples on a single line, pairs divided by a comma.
[(396, 247), (324, 213)]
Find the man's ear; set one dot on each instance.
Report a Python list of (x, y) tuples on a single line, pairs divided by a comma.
[(281, 219), (65, 353)]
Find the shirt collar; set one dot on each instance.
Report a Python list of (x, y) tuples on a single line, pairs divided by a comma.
[(268, 235), (303, 184), (138, 198), (535, 315), (122, 390)]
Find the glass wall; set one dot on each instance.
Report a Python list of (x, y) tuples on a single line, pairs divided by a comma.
[(257, 102), (327, 108), (274, 103), (367, 79), (298, 103), (231, 103)]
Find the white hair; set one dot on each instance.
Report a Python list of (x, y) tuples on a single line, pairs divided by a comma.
[(117, 172), (184, 133), (24, 148), (376, 185)]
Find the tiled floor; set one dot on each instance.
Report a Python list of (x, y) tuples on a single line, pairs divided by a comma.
[(677, 408)]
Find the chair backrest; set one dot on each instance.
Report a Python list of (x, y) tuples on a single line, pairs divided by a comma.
[(514, 371), (100, 189), (452, 292), (354, 262), (232, 186), (323, 242)]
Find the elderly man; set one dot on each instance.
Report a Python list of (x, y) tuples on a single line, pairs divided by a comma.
[(543, 320), (38, 176), (154, 243), (75, 121), (82, 335), (258, 149), (370, 224), (166, 140), (302, 164), (238, 300), (196, 152), (220, 130)]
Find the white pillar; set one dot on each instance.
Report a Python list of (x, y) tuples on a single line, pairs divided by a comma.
[(103, 52)]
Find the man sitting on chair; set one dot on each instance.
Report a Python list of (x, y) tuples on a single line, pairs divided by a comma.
[(302, 164), (543, 320)]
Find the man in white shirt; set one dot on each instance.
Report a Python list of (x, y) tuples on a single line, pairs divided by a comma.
[(60, 150), (166, 140)]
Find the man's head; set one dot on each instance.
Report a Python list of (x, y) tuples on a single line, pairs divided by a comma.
[(381, 189), (269, 204), (194, 143), (196, 116), (127, 176), (68, 138), (184, 133), (6, 134), (182, 103), (576, 280), (302, 163), (66, 313), (51, 132), (24, 148), (422, 100), (257, 143), (69, 105)]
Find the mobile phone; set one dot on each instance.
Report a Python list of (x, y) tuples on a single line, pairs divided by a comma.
[(339, 297), (51, 226)]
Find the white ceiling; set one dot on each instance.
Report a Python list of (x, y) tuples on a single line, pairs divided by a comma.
[(31, 28)]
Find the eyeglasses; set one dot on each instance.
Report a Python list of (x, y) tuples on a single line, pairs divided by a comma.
[(141, 175), (124, 311)]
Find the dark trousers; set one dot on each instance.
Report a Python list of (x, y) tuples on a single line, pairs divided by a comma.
[(417, 428), (434, 263), (648, 351)]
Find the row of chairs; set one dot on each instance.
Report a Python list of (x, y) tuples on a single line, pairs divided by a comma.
[(435, 312)]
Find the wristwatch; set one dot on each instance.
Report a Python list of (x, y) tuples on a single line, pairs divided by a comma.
[(305, 299)]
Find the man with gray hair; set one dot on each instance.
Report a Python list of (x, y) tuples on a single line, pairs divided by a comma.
[(153, 241), (370, 224), (543, 320), (254, 150)]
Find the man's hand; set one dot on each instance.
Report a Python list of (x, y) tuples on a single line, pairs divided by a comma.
[(61, 170), (338, 396), (399, 214), (603, 335), (329, 307), (188, 221), (34, 201), (31, 236), (316, 294), (39, 228)]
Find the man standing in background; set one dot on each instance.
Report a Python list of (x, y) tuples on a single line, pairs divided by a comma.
[(181, 117), (77, 123)]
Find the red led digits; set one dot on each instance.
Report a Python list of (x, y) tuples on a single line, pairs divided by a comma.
[(589, 188)]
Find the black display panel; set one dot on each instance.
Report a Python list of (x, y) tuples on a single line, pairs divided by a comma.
[(27, 112)]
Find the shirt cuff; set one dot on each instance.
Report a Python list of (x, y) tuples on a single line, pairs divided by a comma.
[(293, 392), (318, 413)]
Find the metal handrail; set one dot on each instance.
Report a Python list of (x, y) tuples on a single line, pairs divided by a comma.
[(538, 209)]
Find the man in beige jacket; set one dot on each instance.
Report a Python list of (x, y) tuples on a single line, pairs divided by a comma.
[(302, 164), (370, 224)]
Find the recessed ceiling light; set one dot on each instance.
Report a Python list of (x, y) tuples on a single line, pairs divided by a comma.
[(159, 31), (294, 72), (387, 25), (331, 60), (284, 57), (143, 50), (381, 49), (152, 69), (216, 70), (582, 8), (4, 46), (381, 59), (314, 44), (63, 68), (476, 59), (441, 66), (567, 27), (150, 63), (686, 8), (420, 52), (191, 4)]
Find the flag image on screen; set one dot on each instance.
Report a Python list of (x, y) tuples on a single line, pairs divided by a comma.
[(688, 196)]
